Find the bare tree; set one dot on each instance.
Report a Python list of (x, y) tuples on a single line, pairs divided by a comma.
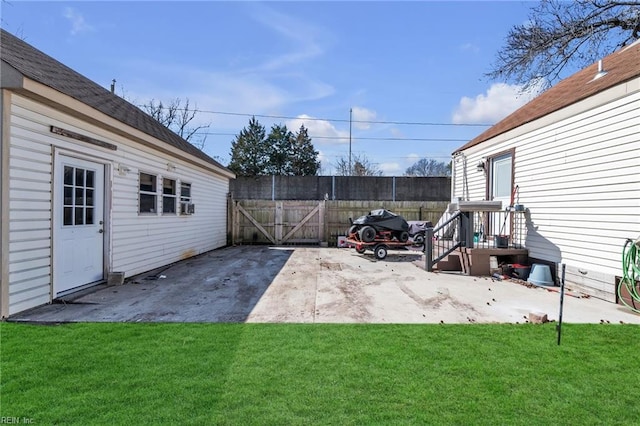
[(361, 166), (177, 118), (561, 33), (429, 167)]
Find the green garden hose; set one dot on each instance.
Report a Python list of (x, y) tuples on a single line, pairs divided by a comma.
[(630, 274)]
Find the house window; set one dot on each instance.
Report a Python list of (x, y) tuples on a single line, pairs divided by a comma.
[(168, 196), (185, 196), (501, 177), (148, 193)]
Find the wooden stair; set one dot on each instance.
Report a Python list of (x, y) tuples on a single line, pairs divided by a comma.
[(451, 263)]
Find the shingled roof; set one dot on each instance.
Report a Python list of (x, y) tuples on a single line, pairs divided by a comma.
[(621, 66), (37, 66)]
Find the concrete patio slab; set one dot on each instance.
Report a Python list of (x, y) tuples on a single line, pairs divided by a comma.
[(319, 285)]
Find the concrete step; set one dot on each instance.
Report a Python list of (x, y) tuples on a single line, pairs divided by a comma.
[(450, 263)]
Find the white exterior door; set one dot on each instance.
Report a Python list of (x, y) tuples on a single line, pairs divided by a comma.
[(79, 223), (501, 190)]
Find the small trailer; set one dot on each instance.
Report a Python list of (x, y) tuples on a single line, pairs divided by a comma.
[(383, 243), (382, 230)]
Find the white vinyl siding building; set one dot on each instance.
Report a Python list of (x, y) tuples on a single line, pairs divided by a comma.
[(577, 171), (71, 197)]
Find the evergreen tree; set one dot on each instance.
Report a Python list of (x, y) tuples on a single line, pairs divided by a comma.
[(304, 157), (280, 153), (250, 151), (280, 141)]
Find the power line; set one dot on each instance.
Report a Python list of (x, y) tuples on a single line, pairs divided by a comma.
[(406, 157), (337, 120), (355, 138)]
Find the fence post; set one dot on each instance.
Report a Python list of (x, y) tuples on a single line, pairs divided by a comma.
[(277, 230), (229, 219), (322, 222), (428, 249), (236, 223), (466, 229), (273, 187), (394, 188), (333, 187)]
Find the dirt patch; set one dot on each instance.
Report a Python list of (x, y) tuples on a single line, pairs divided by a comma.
[(436, 302), (331, 266)]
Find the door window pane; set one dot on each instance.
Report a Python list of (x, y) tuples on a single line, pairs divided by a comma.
[(79, 196), (79, 177), (79, 216), (68, 196), (68, 216), (68, 175), (88, 216), (90, 178)]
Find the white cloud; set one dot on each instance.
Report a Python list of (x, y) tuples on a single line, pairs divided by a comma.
[(320, 131), (303, 37), (78, 23), (224, 92), (470, 47), (396, 133), (391, 168), (500, 100), (362, 114), (413, 157)]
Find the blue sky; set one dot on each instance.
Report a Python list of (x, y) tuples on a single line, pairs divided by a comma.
[(392, 63)]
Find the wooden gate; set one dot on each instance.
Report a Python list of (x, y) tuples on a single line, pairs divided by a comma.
[(278, 222)]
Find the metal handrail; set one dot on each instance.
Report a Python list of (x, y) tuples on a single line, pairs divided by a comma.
[(428, 247)]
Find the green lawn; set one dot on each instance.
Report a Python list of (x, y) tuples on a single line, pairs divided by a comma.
[(240, 374)]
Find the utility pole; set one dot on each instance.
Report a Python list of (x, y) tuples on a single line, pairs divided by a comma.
[(350, 115)]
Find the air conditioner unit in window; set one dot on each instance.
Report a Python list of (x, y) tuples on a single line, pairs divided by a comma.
[(187, 208)]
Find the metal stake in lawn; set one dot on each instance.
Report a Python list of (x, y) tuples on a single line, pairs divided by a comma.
[(559, 326)]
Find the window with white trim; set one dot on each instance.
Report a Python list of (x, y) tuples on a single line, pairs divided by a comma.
[(185, 196), (169, 196), (148, 198), (78, 196)]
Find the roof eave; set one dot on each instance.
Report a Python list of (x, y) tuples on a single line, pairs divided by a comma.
[(76, 108), (10, 78)]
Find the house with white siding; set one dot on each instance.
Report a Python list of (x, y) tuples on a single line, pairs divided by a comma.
[(572, 155), (92, 185)]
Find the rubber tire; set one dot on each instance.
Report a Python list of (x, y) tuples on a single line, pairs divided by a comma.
[(380, 251), (403, 236), (360, 249), (352, 230), (418, 239), (367, 234)]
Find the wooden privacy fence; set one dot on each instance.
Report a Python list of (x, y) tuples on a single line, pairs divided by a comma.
[(312, 222)]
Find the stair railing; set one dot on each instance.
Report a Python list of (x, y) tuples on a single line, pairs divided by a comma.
[(443, 239)]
